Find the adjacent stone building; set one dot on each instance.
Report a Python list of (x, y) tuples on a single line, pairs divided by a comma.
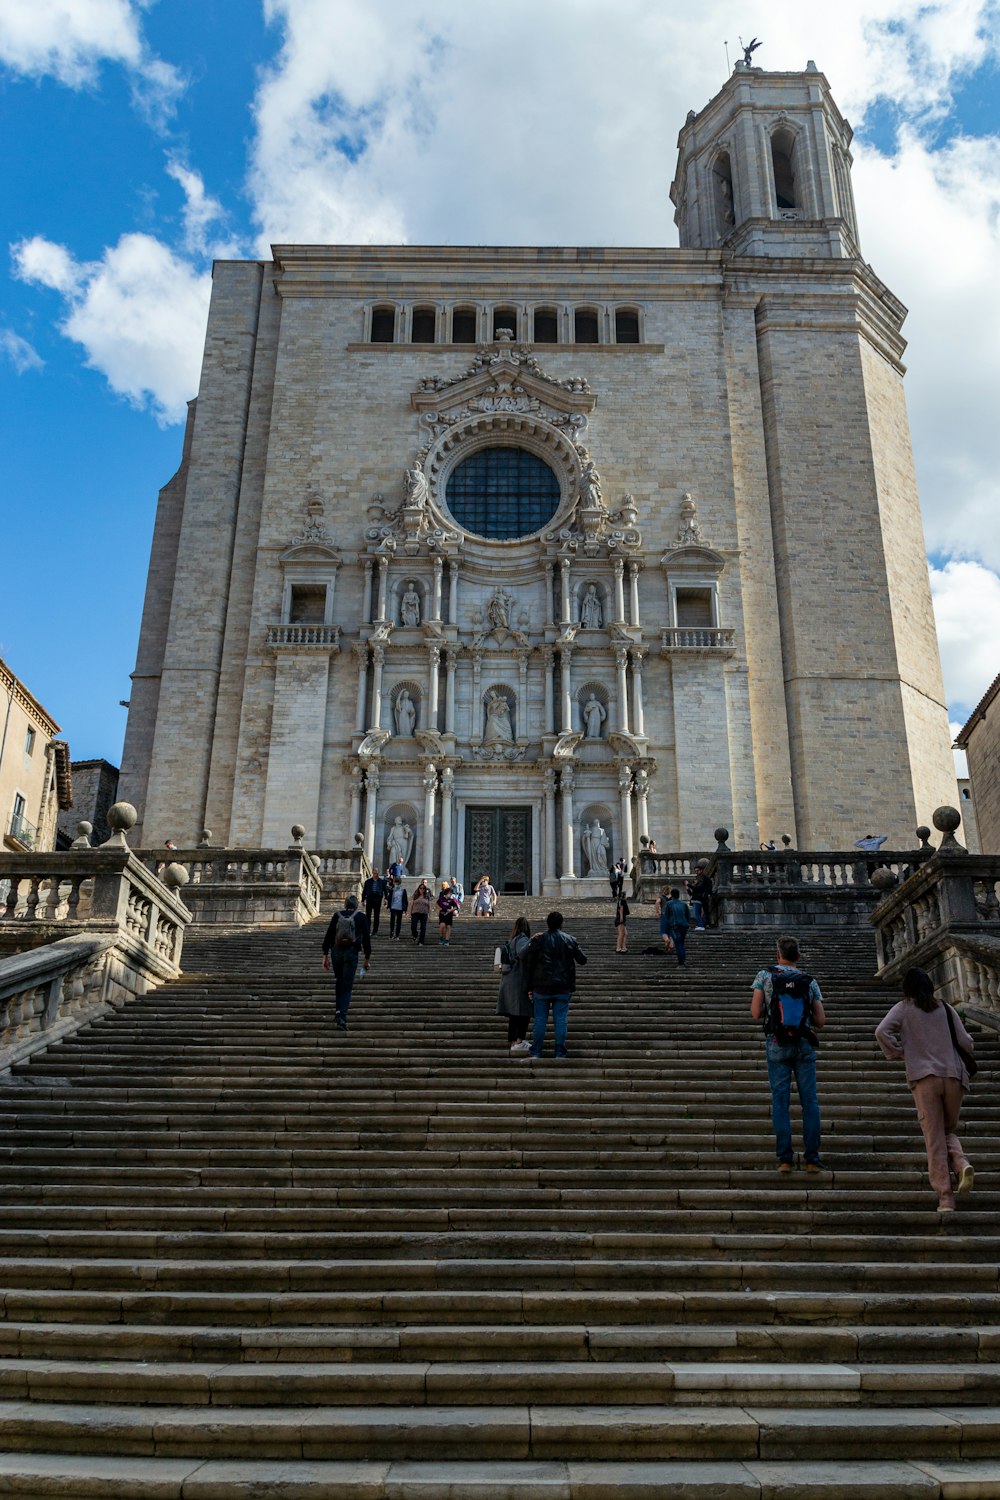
[(95, 789), (507, 557), (35, 776), (980, 739)]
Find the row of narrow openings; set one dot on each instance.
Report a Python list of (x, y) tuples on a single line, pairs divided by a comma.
[(465, 325)]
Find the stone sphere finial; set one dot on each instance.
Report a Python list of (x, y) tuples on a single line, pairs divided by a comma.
[(883, 879), (359, 840), (702, 864), (946, 820), (721, 835), (174, 877), (786, 839), (83, 832), (206, 838), (298, 834), (121, 817), (923, 835)]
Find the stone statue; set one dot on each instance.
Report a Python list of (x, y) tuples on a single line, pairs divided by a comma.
[(591, 613), (406, 714), (409, 606), (498, 608), (594, 715), (416, 487), (498, 725), (399, 842), (590, 485), (595, 844)]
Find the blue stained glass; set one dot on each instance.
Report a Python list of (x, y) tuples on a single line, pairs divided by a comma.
[(503, 493)]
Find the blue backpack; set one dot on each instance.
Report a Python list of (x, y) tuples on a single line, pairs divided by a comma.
[(789, 1014)]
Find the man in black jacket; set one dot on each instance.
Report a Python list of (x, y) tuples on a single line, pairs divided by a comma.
[(346, 938), (552, 958), (373, 894)]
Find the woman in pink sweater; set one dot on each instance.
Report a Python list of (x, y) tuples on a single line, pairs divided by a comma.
[(918, 1031)]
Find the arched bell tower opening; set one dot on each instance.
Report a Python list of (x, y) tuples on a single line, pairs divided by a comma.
[(783, 170)]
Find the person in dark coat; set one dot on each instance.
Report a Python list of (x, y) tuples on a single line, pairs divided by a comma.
[(513, 1000), (373, 894), (346, 937), (552, 958)]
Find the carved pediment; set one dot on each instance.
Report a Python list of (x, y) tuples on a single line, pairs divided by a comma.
[(311, 551), (502, 379), (693, 560)]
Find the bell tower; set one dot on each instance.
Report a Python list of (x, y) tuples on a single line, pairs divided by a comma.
[(765, 169)]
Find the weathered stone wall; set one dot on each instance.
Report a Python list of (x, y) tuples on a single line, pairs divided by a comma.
[(983, 750)]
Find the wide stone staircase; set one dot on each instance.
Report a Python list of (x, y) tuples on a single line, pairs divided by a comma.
[(246, 1255)]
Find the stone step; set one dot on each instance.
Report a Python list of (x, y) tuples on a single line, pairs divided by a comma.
[(748, 1342), (468, 1433), (97, 1477), (473, 1383)]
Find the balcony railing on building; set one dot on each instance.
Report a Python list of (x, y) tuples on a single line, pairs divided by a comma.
[(20, 833), (697, 638)]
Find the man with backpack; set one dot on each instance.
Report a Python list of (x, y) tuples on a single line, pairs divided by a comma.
[(346, 936), (789, 1002), (551, 959)]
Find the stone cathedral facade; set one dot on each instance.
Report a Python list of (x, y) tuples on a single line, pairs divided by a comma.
[(504, 558)]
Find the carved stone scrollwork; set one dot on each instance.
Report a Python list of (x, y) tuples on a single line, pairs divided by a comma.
[(372, 744), (565, 746)]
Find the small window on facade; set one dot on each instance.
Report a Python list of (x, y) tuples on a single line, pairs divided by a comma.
[(722, 191), (694, 606), (504, 317), (383, 325), (966, 793), (782, 144), (308, 605), (546, 325), (585, 326), (29, 742), (424, 325), (626, 325), (19, 806), (463, 325)]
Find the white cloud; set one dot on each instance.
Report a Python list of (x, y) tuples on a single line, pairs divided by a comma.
[(201, 211), (139, 313), (69, 39), (20, 353), (967, 608)]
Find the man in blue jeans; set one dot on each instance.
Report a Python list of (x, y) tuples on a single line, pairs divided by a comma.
[(347, 935), (790, 1057), (551, 959)]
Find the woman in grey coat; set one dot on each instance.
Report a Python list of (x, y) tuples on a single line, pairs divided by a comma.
[(512, 1001)]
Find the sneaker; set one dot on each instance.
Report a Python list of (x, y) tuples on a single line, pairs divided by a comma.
[(784, 1167), (520, 1047), (341, 1021), (561, 1056), (965, 1179), (946, 1208), (815, 1167), (529, 1056)]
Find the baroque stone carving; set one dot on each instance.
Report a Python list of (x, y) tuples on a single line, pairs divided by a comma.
[(594, 715), (399, 842), (595, 844), (372, 744), (497, 621), (405, 714), (591, 610), (499, 728), (409, 606), (689, 533)]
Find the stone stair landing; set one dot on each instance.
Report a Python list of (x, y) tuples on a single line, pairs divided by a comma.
[(245, 1255)]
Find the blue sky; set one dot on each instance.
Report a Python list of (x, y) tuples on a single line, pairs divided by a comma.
[(151, 137)]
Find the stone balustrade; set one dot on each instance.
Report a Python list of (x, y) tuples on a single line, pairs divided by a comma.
[(945, 918), (697, 638), (248, 887), (342, 871), (81, 931)]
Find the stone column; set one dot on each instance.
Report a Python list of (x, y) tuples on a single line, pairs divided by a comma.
[(371, 800), (436, 600), (549, 576), (447, 805), (549, 657), (476, 733), (634, 569), (453, 590), (642, 792), (522, 696), (625, 793), (566, 662), (621, 661), (430, 787), (354, 817), (638, 721), (569, 828), (451, 658), (383, 586), (550, 826), (366, 601), (360, 649), (431, 718), (619, 567), (564, 566), (378, 657)]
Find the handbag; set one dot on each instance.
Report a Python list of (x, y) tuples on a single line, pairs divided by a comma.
[(971, 1066)]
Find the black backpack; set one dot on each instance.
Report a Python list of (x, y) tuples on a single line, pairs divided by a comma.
[(345, 933), (789, 1012)]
